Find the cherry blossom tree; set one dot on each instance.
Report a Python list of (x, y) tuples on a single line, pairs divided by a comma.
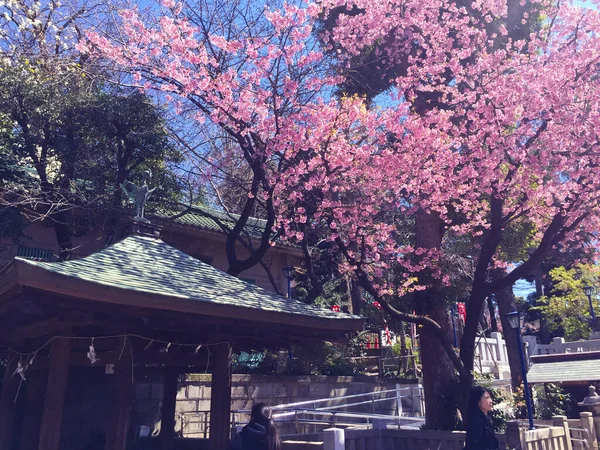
[(509, 137)]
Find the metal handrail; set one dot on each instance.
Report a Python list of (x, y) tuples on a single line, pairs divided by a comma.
[(290, 412), (322, 400), (346, 414)]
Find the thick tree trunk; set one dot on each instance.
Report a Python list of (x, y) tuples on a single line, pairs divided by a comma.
[(355, 296), (506, 303), (439, 376)]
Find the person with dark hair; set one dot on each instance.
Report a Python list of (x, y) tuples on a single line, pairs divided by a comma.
[(480, 430), (260, 433)]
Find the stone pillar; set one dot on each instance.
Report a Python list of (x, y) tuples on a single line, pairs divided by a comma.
[(559, 345), (515, 435), (561, 421), (334, 439), (587, 423), (500, 348)]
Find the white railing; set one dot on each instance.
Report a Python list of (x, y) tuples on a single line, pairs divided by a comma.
[(491, 349), (560, 346)]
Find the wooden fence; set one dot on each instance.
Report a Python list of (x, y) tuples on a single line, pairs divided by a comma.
[(554, 436)]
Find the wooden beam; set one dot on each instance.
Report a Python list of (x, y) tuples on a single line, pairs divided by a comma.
[(122, 397), (32, 418), (38, 329), (220, 399), (167, 422), (55, 395), (10, 387)]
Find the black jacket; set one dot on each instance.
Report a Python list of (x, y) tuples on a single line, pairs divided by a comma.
[(480, 433), (252, 437)]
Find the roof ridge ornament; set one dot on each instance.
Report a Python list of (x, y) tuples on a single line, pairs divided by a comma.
[(139, 195)]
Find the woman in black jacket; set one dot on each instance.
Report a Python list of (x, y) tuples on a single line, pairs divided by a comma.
[(260, 433), (480, 431)]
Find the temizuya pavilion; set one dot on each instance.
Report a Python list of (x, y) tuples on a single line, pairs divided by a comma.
[(134, 298)]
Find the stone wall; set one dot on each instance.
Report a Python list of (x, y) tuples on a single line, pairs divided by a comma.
[(193, 398)]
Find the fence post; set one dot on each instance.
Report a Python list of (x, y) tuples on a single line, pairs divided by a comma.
[(334, 439), (558, 344), (561, 421), (499, 344), (398, 403), (587, 422), (515, 437)]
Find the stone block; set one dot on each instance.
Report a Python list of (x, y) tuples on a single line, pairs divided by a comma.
[(203, 405), (239, 392), (186, 406), (320, 390), (242, 403), (194, 391), (206, 392), (299, 391), (340, 392), (192, 427)]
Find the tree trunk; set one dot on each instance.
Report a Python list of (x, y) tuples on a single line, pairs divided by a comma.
[(403, 365), (539, 293), (439, 376), (355, 296), (506, 303)]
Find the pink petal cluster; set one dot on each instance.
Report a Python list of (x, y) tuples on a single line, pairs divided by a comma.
[(520, 122)]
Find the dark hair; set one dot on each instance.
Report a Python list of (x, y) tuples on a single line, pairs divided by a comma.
[(474, 397), (261, 414)]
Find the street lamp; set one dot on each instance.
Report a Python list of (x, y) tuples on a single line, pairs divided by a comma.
[(288, 273), (453, 314), (514, 320), (589, 291)]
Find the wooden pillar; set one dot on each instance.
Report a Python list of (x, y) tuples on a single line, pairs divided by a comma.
[(10, 387), (167, 422), (32, 418), (220, 399), (54, 400), (122, 395)]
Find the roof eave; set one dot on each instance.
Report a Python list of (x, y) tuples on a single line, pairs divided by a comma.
[(39, 278)]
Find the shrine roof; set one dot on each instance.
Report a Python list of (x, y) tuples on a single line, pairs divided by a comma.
[(565, 367), (146, 272)]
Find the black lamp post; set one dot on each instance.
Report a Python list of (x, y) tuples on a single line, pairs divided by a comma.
[(514, 320), (453, 314), (288, 273), (589, 291)]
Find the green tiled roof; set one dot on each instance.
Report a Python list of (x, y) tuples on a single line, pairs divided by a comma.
[(564, 370), (148, 265), (203, 217)]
